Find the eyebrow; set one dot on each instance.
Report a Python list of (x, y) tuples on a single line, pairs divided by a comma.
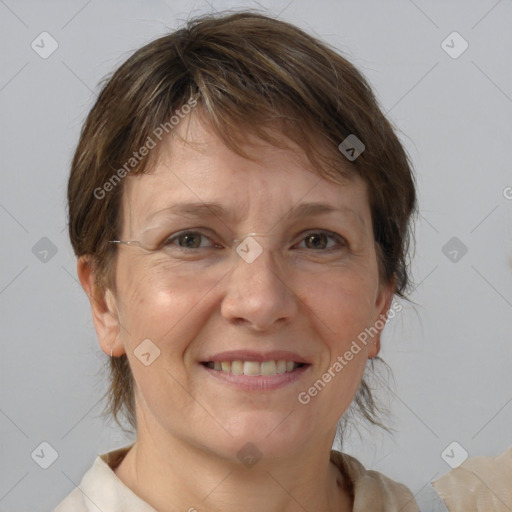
[(207, 209)]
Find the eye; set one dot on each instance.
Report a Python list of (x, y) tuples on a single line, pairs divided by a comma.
[(319, 240), (187, 240)]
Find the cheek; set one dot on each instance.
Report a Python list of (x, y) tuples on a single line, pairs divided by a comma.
[(159, 307), (164, 311), (343, 303), (339, 312)]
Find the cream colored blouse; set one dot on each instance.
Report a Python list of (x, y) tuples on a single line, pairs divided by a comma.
[(480, 484), (102, 491)]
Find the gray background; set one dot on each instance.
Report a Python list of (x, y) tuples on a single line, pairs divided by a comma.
[(451, 353)]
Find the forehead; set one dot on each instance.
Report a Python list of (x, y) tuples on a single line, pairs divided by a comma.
[(197, 167)]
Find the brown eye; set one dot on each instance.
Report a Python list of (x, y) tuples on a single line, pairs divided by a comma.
[(316, 241), (187, 240), (191, 240), (320, 239)]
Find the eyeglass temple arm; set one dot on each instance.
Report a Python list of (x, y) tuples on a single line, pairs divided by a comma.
[(124, 242), (137, 242)]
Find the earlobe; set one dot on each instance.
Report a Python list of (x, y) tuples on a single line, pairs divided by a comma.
[(382, 307), (375, 347), (105, 314)]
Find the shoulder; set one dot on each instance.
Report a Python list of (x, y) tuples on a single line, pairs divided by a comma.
[(100, 489), (73, 502), (372, 490), (480, 484)]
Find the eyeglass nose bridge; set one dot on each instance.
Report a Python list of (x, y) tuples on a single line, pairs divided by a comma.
[(243, 237)]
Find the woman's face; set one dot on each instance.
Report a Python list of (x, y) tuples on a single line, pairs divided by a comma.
[(308, 288)]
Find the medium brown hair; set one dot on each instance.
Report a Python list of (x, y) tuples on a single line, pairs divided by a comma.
[(248, 72)]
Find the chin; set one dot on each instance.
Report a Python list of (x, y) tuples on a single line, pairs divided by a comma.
[(271, 439)]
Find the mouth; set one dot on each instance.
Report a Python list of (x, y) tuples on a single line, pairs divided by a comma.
[(257, 376), (254, 368)]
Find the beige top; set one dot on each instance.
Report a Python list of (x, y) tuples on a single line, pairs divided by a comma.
[(479, 484), (102, 491)]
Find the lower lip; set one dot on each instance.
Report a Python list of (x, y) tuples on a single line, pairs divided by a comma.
[(258, 382)]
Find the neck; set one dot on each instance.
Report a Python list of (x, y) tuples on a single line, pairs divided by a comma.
[(171, 474)]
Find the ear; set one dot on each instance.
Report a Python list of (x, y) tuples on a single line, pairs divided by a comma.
[(104, 309), (382, 306)]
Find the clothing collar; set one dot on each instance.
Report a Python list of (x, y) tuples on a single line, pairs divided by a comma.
[(371, 490)]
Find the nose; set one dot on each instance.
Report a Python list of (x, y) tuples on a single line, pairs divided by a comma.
[(259, 292)]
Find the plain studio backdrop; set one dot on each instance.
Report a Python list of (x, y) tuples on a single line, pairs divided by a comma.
[(441, 71)]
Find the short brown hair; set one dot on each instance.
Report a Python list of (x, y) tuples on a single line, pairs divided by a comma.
[(248, 72)]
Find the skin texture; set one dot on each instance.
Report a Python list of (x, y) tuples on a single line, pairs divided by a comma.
[(294, 296)]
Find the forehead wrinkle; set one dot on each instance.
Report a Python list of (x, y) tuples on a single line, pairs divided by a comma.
[(312, 209), (205, 209), (201, 210)]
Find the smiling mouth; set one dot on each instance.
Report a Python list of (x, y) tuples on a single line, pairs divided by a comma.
[(254, 368)]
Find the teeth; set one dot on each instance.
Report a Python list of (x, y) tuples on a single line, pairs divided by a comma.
[(254, 368), (237, 367), (267, 368), (281, 366), (250, 368)]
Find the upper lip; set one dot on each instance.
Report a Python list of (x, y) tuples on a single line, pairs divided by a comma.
[(250, 355)]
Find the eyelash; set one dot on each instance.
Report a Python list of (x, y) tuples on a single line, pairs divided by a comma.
[(342, 243)]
